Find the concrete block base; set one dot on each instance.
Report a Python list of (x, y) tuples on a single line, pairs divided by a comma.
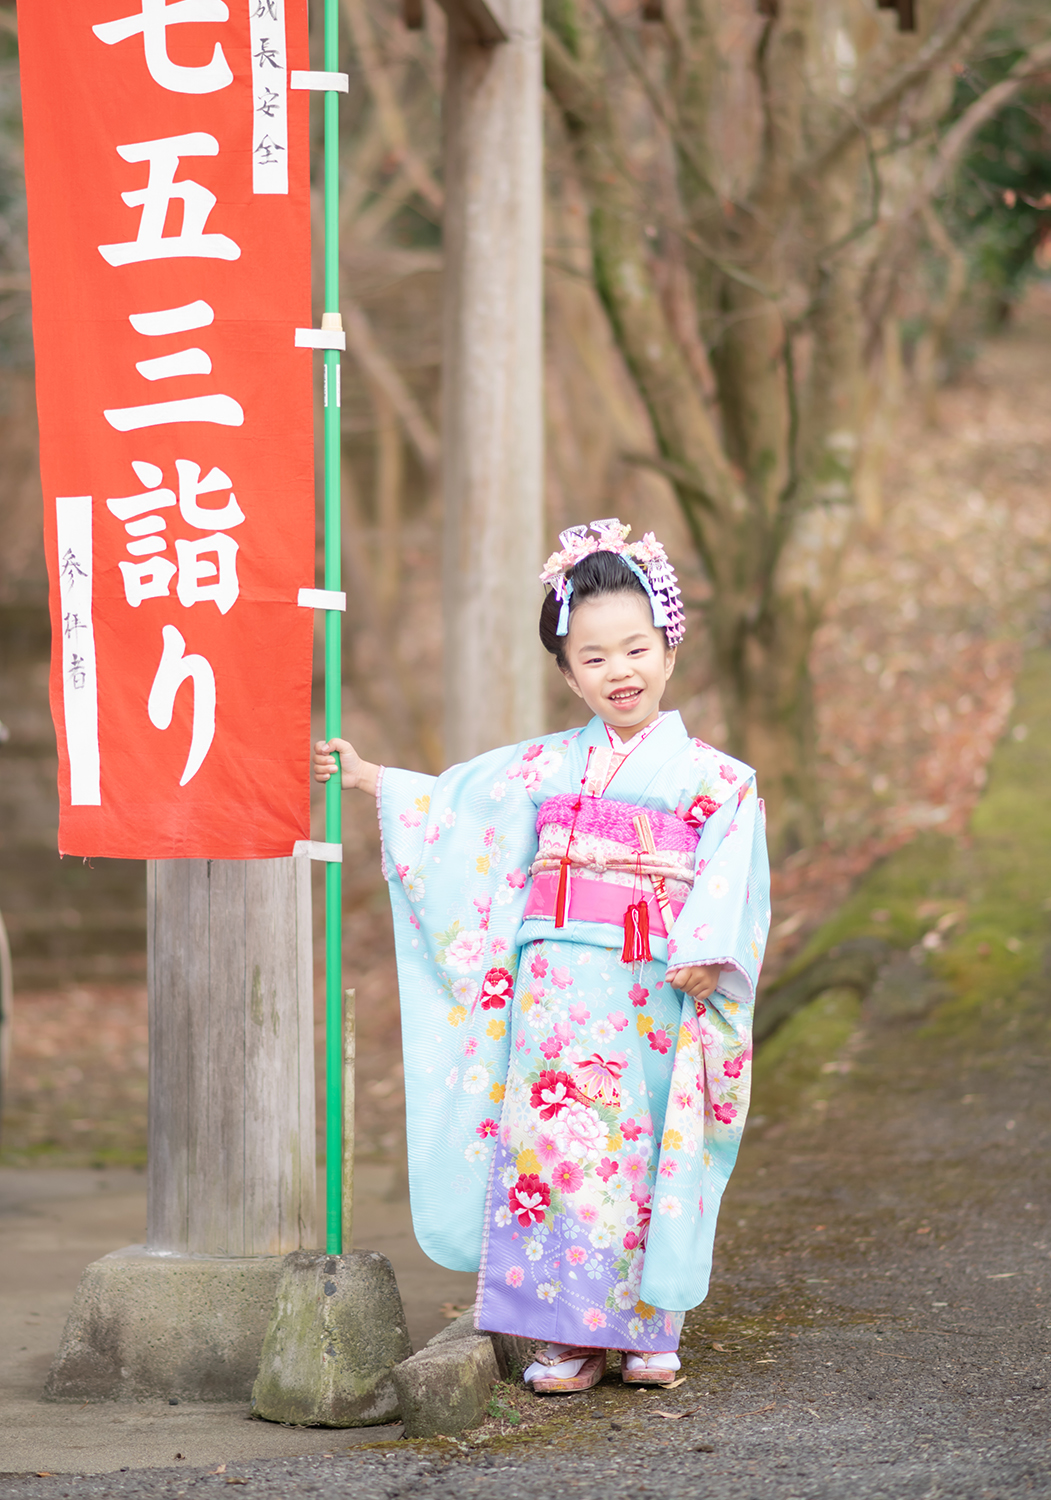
[(513, 1353), (144, 1326), (336, 1331), (446, 1387)]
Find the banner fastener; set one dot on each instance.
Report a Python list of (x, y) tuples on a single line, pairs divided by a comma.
[(321, 338), (314, 849), (338, 83), (322, 599)]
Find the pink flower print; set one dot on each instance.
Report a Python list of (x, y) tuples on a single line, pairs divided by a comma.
[(529, 1199), (637, 995), (617, 1019), (630, 1131), (732, 1067), (552, 1093), (640, 1196), (646, 1124), (486, 1127), (660, 1041), (564, 1033), (402, 870), (505, 1135), (568, 1176), (520, 1041), (683, 1099), (414, 919), (669, 1326), (497, 945), (606, 1168), (579, 1014), (700, 1204), (466, 952), (631, 1240), (484, 904), (532, 752), (595, 1318), (470, 1046), (728, 773), (724, 1112), (547, 1150), (635, 1169), (432, 835), (538, 966), (576, 1255), (673, 947), (561, 978), (702, 933), (539, 992), (669, 1168), (515, 1276), (587, 1213), (497, 989), (700, 810), (487, 837), (551, 1047), (516, 880)]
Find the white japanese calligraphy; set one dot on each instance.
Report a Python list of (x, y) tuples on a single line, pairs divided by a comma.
[(207, 566), (151, 243), (152, 23), (196, 571), (270, 90), (174, 669)]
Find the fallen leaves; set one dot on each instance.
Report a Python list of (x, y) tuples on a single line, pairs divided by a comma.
[(220, 1470), (674, 1416), (757, 1413)]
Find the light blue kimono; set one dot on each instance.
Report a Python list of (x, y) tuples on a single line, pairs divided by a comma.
[(571, 1122)]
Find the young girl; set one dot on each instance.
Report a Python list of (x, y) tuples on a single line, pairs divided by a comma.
[(580, 922)]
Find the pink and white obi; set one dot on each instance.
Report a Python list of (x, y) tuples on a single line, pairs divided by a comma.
[(617, 854)]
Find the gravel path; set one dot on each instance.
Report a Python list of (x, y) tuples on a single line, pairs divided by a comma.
[(878, 1326)]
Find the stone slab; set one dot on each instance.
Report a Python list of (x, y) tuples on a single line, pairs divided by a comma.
[(144, 1326), (513, 1353), (446, 1387), (336, 1332)]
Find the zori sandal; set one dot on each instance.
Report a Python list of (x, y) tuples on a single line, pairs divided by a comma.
[(562, 1368), (648, 1369)]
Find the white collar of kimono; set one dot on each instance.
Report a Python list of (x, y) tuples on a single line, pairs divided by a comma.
[(624, 747)]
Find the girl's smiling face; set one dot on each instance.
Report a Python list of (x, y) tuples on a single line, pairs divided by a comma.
[(617, 660)]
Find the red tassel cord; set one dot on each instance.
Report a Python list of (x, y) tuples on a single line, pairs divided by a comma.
[(562, 898), (636, 934)]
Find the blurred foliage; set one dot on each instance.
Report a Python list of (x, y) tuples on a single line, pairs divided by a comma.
[(16, 334), (1000, 210)]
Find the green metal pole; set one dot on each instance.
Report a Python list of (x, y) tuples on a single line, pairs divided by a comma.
[(333, 674)]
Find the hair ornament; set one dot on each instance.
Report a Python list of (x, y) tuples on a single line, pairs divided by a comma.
[(646, 558)]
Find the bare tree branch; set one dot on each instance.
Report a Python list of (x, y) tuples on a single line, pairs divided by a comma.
[(941, 41), (379, 369)]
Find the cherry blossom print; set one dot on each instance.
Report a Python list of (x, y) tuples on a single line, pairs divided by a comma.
[(486, 1127), (497, 989), (702, 933), (617, 1019), (724, 1112), (671, 1206), (498, 791), (567, 1176), (552, 1093), (532, 752), (529, 1199), (718, 887), (637, 995), (660, 1041), (564, 1032), (606, 1168), (450, 1082), (514, 1276), (728, 773), (579, 1014), (733, 1066), (561, 978), (630, 1130), (466, 951), (595, 1318), (551, 1047), (470, 1046), (543, 765), (516, 879), (476, 1079), (538, 964)]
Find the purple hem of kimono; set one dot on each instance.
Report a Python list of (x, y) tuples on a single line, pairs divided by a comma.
[(605, 1348)]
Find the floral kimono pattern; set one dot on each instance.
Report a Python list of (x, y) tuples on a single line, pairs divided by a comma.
[(573, 1119)]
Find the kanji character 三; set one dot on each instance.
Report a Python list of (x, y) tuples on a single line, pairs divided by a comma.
[(176, 668), (152, 21), (151, 243)]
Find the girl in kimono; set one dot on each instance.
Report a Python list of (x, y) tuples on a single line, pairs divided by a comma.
[(580, 921)]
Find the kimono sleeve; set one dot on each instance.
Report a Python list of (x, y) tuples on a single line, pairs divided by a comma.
[(727, 915)]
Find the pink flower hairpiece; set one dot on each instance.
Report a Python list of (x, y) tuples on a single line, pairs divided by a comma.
[(646, 558)]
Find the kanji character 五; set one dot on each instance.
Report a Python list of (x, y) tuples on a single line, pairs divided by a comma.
[(151, 243)]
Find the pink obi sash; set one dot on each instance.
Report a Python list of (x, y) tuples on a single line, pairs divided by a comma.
[(611, 868)]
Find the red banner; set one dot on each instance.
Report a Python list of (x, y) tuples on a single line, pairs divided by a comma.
[(168, 183)]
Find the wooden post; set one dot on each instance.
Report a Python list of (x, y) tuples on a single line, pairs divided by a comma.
[(231, 1107), (492, 416)]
